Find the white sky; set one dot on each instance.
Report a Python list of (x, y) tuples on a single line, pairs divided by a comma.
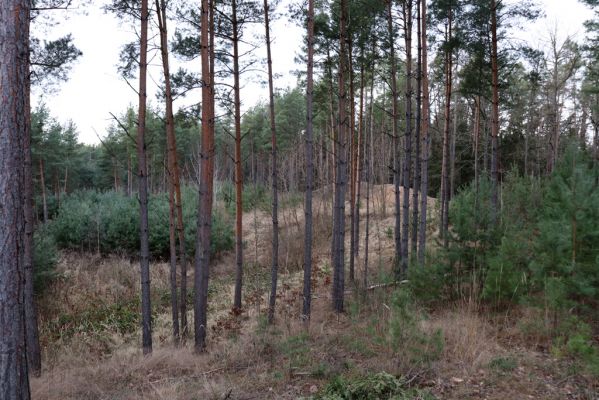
[(95, 89)]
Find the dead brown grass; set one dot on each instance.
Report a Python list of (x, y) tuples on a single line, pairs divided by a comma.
[(249, 360), (469, 340)]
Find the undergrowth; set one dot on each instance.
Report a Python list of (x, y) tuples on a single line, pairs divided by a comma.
[(380, 386)]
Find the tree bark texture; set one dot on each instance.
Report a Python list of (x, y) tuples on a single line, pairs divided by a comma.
[(146, 308), (424, 140), (14, 125), (417, 166), (238, 169), (275, 200), (307, 293), (202, 258), (341, 170), (396, 141), (405, 230)]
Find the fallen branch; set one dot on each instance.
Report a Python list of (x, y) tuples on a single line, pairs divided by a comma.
[(383, 285)]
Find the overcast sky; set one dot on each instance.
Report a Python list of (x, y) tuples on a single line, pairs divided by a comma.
[(95, 90)]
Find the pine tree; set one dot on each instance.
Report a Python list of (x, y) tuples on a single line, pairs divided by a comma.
[(275, 199), (307, 292), (146, 308), (14, 129), (425, 140), (202, 255)]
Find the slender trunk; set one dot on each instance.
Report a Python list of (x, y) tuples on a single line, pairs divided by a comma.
[(43, 187), (173, 259), (146, 309), (333, 135), (340, 181), (416, 184), (424, 137), (485, 139), (476, 140), (595, 146), (359, 156), (353, 163), (275, 199), (554, 134), (57, 187), (494, 114), (202, 258), (454, 131), (129, 175), (369, 164), (396, 143), (582, 129), (66, 178), (531, 127), (444, 197), (175, 185), (407, 14), (238, 170), (309, 168)]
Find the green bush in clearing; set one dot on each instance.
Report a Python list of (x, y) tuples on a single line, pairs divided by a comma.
[(381, 386), (108, 223)]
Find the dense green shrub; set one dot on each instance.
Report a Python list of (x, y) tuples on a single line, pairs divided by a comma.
[(381, 386), (253, 196), (507, 276), (541, 251), (109, 223), (45, 257), (429, 285), (566, 258), (472, 239), (544, 242)]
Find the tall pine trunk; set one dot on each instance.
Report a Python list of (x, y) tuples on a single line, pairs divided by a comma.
[(176, 209), (360, 155), (146, 309), (238, 169), (338, 253), (407, 14), (309, 168), (173, 259), (275, 198), (353, 152), (369, 165), (476, 141), (396, 143), (43, 188), (14, 129), (424, 140), (494, 113), (417, 166), (444, 197), (202, 257)]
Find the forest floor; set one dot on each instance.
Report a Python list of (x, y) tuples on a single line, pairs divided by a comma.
[(91, 342)]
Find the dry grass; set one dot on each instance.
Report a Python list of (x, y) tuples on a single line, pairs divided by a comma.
[(127, 374), (469, 340), (249, 360)]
